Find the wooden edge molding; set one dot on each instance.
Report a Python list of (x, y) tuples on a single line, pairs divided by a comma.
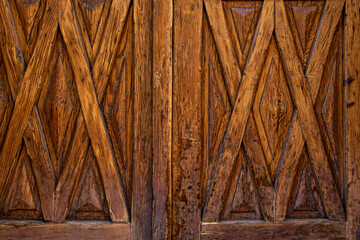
[(69, 230), (274, 230)]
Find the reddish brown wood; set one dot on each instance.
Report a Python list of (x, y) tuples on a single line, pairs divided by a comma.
[(352, 82), (141, 220), (162, 119), (242, 106), (285, 230), (186, 145), (69, 230), (309, 124)]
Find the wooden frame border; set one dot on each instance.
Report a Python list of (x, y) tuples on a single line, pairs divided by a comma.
[(68, 230), (352, 90), (274, 230)]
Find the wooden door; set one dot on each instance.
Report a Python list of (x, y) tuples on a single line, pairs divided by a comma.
[(264, 123), (74, 119), (186, 119)]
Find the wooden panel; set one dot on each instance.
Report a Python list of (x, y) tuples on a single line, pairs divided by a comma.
[(186, 145), (55, 140), (142, 189), (240, 115), (69, 230), (286, 230), (352, 83), (27, 95), (162, 119)]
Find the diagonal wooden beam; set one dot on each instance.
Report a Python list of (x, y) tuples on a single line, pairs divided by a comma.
[(33, 136), (227, 56), (11, 50), (296, 141), (101, 73), (322, 43), (313, 74), (241, 112), (306, 113), (28, 91), (94, 120)]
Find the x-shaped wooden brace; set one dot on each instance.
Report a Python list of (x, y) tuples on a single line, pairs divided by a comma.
[(91, 112), (90, 96), (305, 124), (244, 101), (25, 122)]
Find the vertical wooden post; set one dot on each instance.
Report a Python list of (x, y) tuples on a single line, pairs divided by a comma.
[(186, 151), (162, 118), (142, 155), (352, 81)]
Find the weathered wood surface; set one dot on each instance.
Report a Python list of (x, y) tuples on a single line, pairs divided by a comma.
[(68, 230), (141, 214), (162, 119), (279, 230), (352, 82), (186, 145)]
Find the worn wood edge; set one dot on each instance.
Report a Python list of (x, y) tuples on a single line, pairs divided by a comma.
[(162, 119), (141, 207), (186, 132), (352, 101), (308, 229), (10, 229)]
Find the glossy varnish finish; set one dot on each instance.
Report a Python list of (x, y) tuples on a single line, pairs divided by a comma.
[(206, 119)]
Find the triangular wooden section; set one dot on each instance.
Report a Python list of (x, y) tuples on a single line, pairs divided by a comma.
[(245, 202), (27, 12), (91, 11), (244, 22), (89, 194), (305, 200), (23, 198), (304, 19), (242, 202)]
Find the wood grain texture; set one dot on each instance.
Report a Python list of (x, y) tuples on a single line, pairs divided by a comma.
[(101, 71), (28, 92), (279, 230), (33, 136), (295, 143), (11, 50), (93, 116), (331, 16), (69, 230), (162, 119), (352, 81), (242, 107), (231, 69), (141, 214), (186, 153), (310, 126)]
